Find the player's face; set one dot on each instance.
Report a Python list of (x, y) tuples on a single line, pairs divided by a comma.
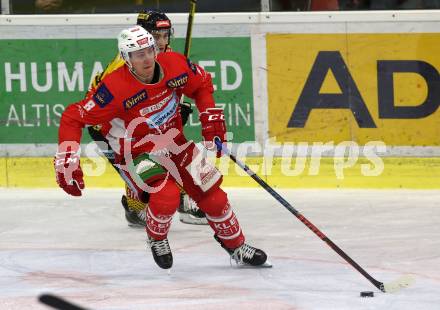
[(161, 38), (143, 62)]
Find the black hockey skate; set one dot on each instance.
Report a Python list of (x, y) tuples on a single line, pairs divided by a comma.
[(161, 252), (135, 219), (189, 213), (247, 255)]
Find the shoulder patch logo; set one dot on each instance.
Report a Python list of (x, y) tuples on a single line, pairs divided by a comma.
[(134, 100), (178, 81), (103, 96), (192, 66)]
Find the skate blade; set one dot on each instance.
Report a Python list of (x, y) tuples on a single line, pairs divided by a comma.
[(194, 222), (135, 226), (267, 264), (187, 219)]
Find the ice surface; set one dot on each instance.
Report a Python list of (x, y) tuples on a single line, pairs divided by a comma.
[(81, 249)]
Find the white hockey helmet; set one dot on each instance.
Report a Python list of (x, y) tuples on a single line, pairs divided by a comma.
[(134, 39)]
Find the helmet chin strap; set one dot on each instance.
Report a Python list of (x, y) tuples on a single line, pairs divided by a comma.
[(127, 61), (138, 76), (155, 77), (133, 71)]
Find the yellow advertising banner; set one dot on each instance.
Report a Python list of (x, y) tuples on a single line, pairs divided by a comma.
[(357, 87)]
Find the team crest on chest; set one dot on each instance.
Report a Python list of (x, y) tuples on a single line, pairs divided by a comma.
[(136, 99), (155, 107), (178, 81)]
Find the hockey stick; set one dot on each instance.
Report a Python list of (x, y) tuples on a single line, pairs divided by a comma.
[(58, 303), (386, 288), (192, 11)]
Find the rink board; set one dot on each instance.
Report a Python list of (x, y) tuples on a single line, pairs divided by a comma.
[(416, 173), (253, 59)]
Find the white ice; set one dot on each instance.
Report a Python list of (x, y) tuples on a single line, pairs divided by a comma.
[(81, 249)]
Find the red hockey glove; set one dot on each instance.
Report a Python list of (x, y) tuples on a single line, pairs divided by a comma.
[(213, 126), (68, 172)]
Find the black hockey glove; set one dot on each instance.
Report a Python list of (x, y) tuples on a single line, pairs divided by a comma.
[(185, 111)]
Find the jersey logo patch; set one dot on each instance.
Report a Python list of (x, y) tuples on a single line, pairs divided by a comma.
[(163, 23), (102, 96), (134, 100), (155, 107), (178, 81), (163, 116)]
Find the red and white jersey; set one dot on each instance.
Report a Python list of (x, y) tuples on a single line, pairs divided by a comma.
[(121, 99)]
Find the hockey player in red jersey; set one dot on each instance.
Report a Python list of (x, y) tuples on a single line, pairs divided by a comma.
[(159, 25), (153, 152)]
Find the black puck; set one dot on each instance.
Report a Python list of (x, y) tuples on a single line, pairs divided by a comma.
[(367, 294)]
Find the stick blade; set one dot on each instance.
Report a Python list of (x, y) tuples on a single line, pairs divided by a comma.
[(399, 284), (58, 302)]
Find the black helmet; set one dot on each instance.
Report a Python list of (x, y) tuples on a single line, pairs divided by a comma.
[(153, 20)]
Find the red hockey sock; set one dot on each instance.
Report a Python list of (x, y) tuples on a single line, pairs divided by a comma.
[(222, 219), (161, 207)]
